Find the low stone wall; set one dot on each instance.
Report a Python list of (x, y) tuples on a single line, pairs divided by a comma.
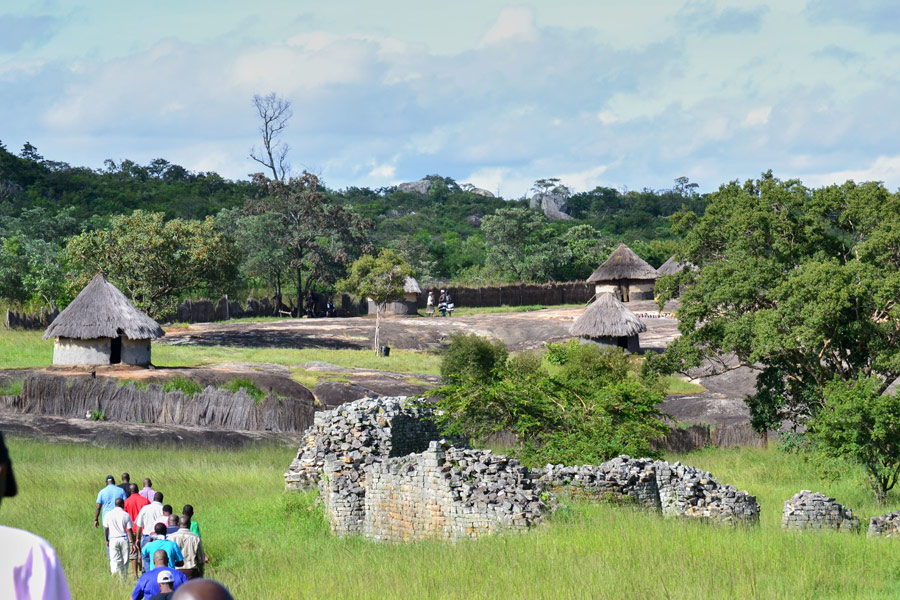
[(812, 510), (359, 434), (675, 490), (622, 478), (887, 526), (448, 493), (689, 492), (54, 395)]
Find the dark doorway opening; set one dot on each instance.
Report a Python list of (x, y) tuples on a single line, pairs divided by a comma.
[(115, 354), (622, 342)]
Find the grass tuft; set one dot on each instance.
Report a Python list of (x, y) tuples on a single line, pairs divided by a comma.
[(184, 385), (239, 383), (13, 388)]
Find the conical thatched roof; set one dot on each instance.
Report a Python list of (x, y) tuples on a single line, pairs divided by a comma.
[(623, 263), (411, 286), (671, 266), (102, 311), (607, 317)]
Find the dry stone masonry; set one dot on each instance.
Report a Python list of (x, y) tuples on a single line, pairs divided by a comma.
[(885, 525), (448, 493), (812, 510), (675, 490), (383, 473), (359, 434)]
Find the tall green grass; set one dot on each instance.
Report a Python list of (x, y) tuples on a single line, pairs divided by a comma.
[(24, 349), (267, 544)]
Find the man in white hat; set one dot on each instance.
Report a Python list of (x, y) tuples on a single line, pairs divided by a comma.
[(166, 582)]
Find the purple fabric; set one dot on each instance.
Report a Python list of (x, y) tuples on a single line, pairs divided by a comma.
[(29, 567), (148, 493)]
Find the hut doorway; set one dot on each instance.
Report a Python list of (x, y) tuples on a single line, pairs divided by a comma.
[(622, 342), (624, 294), (115, 351)]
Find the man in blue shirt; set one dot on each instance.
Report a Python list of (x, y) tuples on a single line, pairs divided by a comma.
[(173, 552), (106, 499), (148, 585)]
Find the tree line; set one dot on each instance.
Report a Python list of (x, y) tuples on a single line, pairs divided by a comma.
[(166, 232)]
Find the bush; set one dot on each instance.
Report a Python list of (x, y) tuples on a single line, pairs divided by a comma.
[(596, 406), (471, 356), (140, 384), (252, 390), (184, 385)]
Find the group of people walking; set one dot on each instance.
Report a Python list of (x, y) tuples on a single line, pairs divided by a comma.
[(445, 304), (139, 528)]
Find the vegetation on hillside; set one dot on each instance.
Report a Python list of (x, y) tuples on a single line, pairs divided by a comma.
[(452, 233)]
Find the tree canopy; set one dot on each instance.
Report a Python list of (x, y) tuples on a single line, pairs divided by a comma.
[(799, 284)]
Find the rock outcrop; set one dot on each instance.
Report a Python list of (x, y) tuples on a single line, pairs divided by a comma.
[(553, 206)]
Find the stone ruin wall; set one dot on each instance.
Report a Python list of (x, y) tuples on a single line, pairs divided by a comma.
[(448, 493), (383, 473), (812, 510), (672, 489), (358, 434)]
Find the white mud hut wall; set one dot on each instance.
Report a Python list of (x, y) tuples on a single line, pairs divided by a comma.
[(68, 351)]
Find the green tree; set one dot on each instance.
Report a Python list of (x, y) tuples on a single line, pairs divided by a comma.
[(799, 284), (262, 261), (323, 238), (519, 245), (859, 424), (156, 262), (379, 278)]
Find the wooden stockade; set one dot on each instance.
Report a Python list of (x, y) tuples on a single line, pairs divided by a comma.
[(548, 294), (77, 397), (17, 320), (697, 437)]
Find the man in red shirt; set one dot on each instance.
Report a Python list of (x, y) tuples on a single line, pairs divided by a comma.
[(133, 505)]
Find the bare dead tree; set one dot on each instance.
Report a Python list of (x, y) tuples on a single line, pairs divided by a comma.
[(274, 112)]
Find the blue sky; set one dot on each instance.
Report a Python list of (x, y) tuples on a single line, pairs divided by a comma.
[(623, 94)]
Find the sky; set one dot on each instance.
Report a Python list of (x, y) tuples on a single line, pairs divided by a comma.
[(625, 94)]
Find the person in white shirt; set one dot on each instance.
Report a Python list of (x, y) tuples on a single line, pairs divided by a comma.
[(117, 527), (29, 567), (146, 519)]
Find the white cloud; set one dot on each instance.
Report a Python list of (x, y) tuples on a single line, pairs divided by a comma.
[(883, 168), (384, 171), (607, 117), (759, 116), (512, 24)]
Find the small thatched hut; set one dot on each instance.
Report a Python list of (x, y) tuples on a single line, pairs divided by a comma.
[(101, 327), (626, 275), (671, 267), (407, 306), (608, 322)]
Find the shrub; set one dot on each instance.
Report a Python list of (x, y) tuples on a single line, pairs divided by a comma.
[(596, 406), (184, 385), (471, 356), (252, 390)]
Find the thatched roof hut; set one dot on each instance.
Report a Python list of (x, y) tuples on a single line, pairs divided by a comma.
[(609, 322), (101, 326), (671, 267), (625, 274), (411, 286)]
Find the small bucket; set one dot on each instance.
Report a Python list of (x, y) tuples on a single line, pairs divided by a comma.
[(385, 350)]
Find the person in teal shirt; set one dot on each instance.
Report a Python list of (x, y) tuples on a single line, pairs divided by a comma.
[(161, 543)]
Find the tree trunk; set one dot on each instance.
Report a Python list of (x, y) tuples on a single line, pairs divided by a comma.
[(377, 325), (299, 293)]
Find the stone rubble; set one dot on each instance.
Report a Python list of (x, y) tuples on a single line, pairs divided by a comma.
[(885, 525), (674, 490), (809, 510)]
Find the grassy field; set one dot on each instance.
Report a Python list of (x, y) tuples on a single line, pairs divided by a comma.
[(26, 349), (268, 544)]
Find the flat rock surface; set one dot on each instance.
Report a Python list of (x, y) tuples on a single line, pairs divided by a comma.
[(519, 331)]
